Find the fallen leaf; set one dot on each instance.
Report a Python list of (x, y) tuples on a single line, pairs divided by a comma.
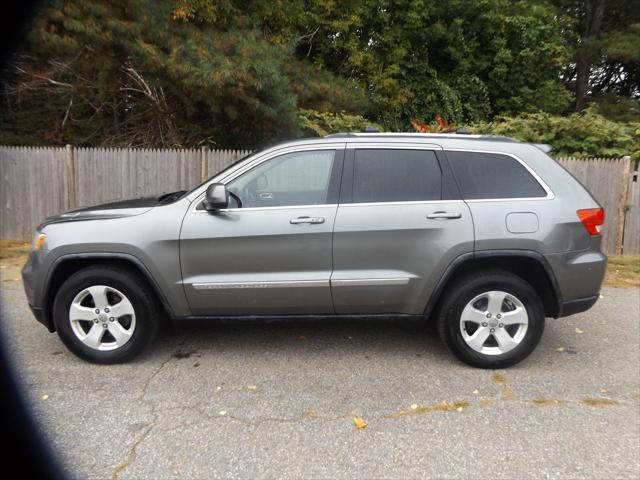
[(253, 388), (458, 405), (311, 414), (486, 402), (498, 378), (45, 397), (598, 402), (399, 414), (359, 423), (507, 394), (544, 402), (578, 331), (604, 390), (561, 349), (302, 337)]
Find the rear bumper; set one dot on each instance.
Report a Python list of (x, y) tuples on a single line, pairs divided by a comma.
[(572, 307), (579, 276)]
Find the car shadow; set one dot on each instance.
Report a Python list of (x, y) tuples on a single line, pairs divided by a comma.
[(396, 336)]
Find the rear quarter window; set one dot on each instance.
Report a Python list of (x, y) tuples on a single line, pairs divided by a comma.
[(492, 175)]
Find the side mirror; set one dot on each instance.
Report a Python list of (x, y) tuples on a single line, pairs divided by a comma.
[(216, 197)]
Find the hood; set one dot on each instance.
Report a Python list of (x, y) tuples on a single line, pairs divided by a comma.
[(119, 209)]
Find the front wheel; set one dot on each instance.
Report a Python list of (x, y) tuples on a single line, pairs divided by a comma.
[(491, 320), (105, 314)]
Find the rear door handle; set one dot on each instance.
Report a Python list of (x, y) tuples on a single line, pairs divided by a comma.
[(309, 220), (444, 215)]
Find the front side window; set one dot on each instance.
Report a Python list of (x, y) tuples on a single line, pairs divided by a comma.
[(297, 178), (492, 175), (401, 175)]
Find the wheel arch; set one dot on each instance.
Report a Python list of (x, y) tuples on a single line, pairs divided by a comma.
[(66, 265), (527, 264)]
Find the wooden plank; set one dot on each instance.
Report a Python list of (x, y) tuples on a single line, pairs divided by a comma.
[(622, 201), (631, 244), (71, 177)]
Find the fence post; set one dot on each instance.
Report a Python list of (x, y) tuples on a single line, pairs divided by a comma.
[(204, 164), (71, 178), (622, 202)]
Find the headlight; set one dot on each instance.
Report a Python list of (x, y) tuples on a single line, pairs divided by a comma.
[(38, 241)]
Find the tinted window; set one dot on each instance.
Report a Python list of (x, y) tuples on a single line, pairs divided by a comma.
[(491, 175), (298, 178), (396, 176)]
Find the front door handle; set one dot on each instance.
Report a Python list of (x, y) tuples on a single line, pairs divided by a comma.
[(444, 215), (309, 220)]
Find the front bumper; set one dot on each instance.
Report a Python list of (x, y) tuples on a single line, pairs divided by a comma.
[(33, 274), (41, 316)]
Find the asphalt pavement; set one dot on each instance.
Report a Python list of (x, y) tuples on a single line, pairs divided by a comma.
[(285, 400)]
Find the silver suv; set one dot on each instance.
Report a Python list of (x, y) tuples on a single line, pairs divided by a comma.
[(484, 235)]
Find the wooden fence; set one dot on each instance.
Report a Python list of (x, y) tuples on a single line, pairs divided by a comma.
[(609, 181), (39, 182)]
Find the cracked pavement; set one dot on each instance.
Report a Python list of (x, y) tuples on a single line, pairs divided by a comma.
[(277, 400)]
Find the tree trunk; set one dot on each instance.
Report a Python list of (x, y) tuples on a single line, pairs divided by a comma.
[(594, 11)]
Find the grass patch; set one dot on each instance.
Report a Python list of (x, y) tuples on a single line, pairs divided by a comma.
[(14, 253), (623, 271)]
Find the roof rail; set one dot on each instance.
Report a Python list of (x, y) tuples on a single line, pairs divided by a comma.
[(461, 135)]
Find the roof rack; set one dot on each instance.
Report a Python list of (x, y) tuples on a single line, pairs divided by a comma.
[(461, 136)]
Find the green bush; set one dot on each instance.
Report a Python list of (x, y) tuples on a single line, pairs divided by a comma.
[(585, 135), (315, 123)]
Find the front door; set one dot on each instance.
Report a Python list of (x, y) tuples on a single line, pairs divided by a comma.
[(269, 253), (399, 224)]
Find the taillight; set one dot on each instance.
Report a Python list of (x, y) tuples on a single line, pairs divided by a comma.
[(592, 219)]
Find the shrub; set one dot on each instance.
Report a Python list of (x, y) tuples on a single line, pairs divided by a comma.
[(577, 135)]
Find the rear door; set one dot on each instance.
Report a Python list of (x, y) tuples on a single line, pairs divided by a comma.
[(400, 222)]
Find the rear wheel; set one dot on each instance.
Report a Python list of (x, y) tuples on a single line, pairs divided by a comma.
[(105, 314), (491, 320)]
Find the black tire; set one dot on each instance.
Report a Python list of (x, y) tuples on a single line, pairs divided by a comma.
[(464, 291), (133, 286)]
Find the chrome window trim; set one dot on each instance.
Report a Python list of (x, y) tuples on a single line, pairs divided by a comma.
[(256, 209), (265, 157), (550, 195), (379, 145), (411, 202)]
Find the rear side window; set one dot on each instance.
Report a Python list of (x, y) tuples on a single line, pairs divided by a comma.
[(396, 176), (492, 175)]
